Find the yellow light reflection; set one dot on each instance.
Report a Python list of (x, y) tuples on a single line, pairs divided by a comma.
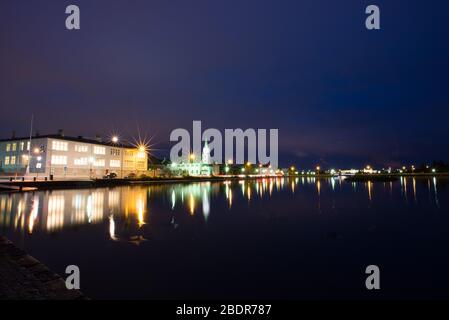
[(140, 212), (370, 195), (191, 204), (33, 214)]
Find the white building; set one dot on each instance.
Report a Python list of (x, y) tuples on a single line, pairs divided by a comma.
[(196, 168), (59, 156)]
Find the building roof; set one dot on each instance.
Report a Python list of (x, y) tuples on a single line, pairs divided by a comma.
[(75, 139)]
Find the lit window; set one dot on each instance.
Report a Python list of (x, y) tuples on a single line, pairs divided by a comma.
[(81, 148), (99, 163), (38, 165), (59, 145), (99, 150), (58, 160), (22, 145), (6, 161), (115, 152), (13, 160), (81, 161), (8, 147), (14, 146), (115, 163), (28, 146)]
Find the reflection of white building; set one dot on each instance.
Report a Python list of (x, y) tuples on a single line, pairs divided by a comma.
[(194, 168)]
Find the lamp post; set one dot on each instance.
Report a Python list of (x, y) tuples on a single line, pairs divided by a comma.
[(115, 140), (37, 151), (91, 161)]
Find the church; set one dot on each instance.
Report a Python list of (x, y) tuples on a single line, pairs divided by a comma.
[(192, 167)]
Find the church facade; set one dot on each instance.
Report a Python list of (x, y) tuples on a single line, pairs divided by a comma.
[(191, 167)]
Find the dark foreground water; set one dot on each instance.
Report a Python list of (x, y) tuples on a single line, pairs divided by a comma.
[(272, 238)]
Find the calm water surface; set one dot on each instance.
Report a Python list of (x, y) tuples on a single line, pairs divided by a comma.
[(268, 238)]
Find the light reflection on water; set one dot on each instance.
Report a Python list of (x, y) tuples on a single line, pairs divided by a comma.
[(52, 211), (295, 234)]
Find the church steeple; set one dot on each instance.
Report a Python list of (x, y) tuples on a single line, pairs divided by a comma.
[(206, 154)]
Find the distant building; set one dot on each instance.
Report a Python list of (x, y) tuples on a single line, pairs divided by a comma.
[(68, 157), (191, 167)]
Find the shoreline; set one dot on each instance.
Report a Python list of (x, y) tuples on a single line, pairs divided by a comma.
[(23, 277), (30, 185)]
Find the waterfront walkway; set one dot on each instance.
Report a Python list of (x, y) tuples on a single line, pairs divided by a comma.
[(24, 278)]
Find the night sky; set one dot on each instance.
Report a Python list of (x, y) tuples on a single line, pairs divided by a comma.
[(340, 95)]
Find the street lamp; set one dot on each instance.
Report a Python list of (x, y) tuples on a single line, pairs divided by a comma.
[(115, 140), (36, 151), (91, 162)]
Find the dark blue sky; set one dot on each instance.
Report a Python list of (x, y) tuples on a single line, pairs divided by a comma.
[(340, 95)]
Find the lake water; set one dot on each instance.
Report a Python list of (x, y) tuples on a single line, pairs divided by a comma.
[(269, 238)]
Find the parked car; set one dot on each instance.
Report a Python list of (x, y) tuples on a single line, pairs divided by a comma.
[(111, 175)]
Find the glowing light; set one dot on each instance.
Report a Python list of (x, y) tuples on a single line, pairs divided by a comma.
[(206, 205), (370, 190), (173, 199), (33, 214), (191, 204), (433, 171), (230, 161), (140, 212), (318, 168), (112, 228), (192, 157), (292, 168), (230, 198), (36, 150), (114, 139)]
